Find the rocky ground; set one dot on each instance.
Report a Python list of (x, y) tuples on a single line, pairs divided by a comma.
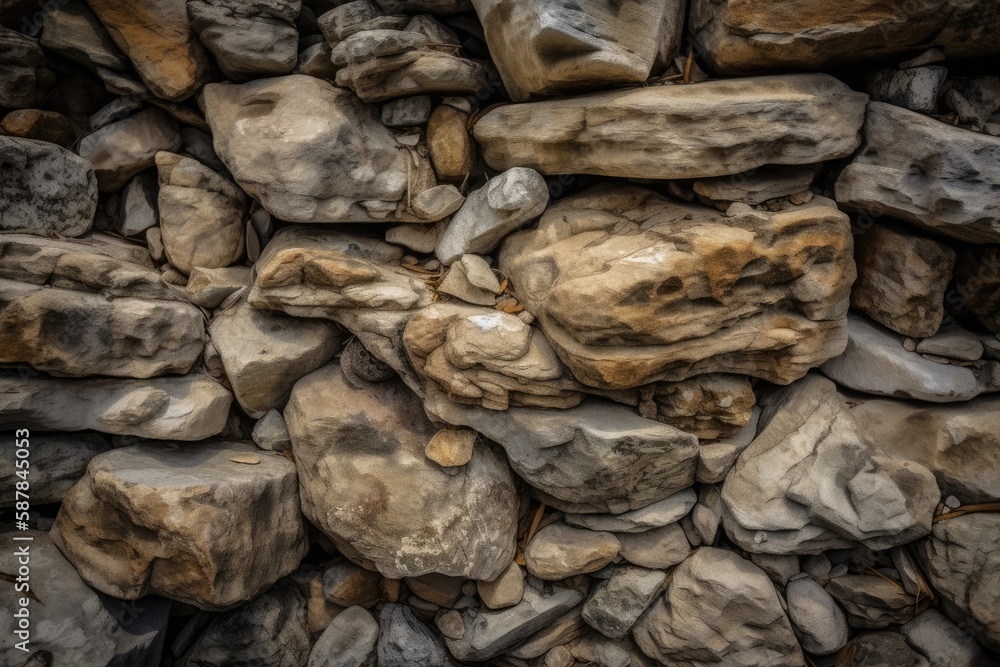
[(527, 334)]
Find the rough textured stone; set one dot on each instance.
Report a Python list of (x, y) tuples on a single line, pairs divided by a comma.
[(717, 458), (472, 280), (347, 585), (657, 548), (57, 461), (44, 189), (404, 641), (885, 649), (915, 88), (71, 30), (656, 515), (755, 186), (449, 143), (872, 602), (717, 609), (952, 342), (942, 641), (25, 76), (505, 591), (349, 641), (690, 267), (710, 406), (558, 551), (407, 112), (248, 39), (926, 172), (137, 209), (209, 288), (616, 604), (122, 149), (183, 521), (367, 484), (977, 278), (451, 447), (819, 622), (740, 124)]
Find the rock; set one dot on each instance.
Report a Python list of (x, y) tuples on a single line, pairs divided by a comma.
[(916, 88), (26, 75), (902, 280), (310, 152), (953, 342), (451, 447), (778, 499), (122, 149), (779, 568), (403, 641), (248, 41), (596, 457), (212, 238), (875, 362), (718, 608), (451, 625), (190, 407), (209, 288), (358, 363), (885, 649), (430, 6), (819, 622), (271, 629), (44, 189), (418, 238), (71, 30), (315, 61), (219, 532), (616, 604), (736, 37), (347, 585), (505, 591), (492, 633), (926, 172), (437, 589), (755, 186), (49, 126), (472, 280), (449, 144), (368, 486), (717, 458), (349, 641), (961, 559), (873, 602), (57, 462), (710, 406), (117, 109), (159, 41), (664, 271), (437, 203), (71, 621), (977, 278), (137, 210), (645, 132), (265, 354), (975, 99), (656, 515), (545, 49), (507, 202), (407, 111), (657, 548), (942, 642), (557, 552)]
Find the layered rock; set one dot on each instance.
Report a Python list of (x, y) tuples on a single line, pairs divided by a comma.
[(662, 132), (630, 287), (710, 406), (194, 523), (248, 39)]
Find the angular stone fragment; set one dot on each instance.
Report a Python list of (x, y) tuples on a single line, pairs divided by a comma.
[(666, 132), (366, 483), (71, 30), (404, 641), (885, 649), (558, 551), (718, 609), (916, 88), (190, 407), (122, 149), (248, 40), (656, 515), (616, 604), (209, 288), (717, 458), (630, 287), (942, 641), (873, 602), (472, 280), (137, 210), (710, 406), (505, 591), (451, 447), (44, 189), (183, 521), (754, 187), (926, 172), (407, 111)]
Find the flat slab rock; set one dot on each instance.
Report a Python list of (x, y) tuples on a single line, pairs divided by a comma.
[(630, 287), (184, 521), (667, 132)]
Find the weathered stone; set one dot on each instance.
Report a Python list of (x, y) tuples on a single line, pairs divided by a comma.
[(680, 273), (347, 585), (472, 280), (71, 30), (754, 187), (49, 126), (657, 548), (977, 278), (953, 342), (741, 124), (57, 461), (183, 521), (407, 111), (557, 552), (505, 591), (418, 238), (349, 18), (942, 641), (926, 172), (717, 458), (315, 61), (449, 143), (717, 609), (25, 75), (159, 41), (596, 457), (974, 99), (265, 354), (404, 641), (616, 604), (367, 484), (451, 447), (915, 88), (902, 280), (438, 589), (117, 109), (819, 622), (122, 149), (431, 6), (248, 40), (137, 209), (885, 649), (710, 406), (656, 515), (544, 49), (757, 35), (779, 568), (779, 498), (270, 432), (873, 602), (349, 641), (44, 189), (202, 214), (190, 407), (209, 288)]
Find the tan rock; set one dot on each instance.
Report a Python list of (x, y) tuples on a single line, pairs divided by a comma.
[(449, 143), (345, 584), (710, 406), (439, 589), (451, 447), (559, 551), (677, 273), (666, 132), (49, 126), (504, 591)]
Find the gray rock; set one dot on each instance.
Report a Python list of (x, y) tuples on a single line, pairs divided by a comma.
[(717, 609), (655, 515), (717, 458), (270, 432), (352, 17), (189, 407), (122, 149), (975, 99), (942, 642), (658, 548), (616, 604), (558, 552), (367, 485), (819, 623), (315, 61), (407, 111), (57, 461), (885, 649), (952, 342), (45, 189), (349, 641), (915, 88), (71, 30), (198, 144), (418, 238), (566, 628), (248, 40), (490, 213), (779, 568), (25, 76), (404, 641), (873, 602), (219, 521), (357, 362), (472, 280), (596, 457), (137, 209), (347, 585), (117, 109), (754, 187)]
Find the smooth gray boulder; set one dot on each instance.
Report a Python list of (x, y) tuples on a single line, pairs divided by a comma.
[(349, 641), (818, 622), (405, 641), (248, 40)]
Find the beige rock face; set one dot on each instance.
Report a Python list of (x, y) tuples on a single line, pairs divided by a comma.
[(543, 48), (666, 132), (559, 551), (156, 36), (752, 35), (630, 288), (183, 521)]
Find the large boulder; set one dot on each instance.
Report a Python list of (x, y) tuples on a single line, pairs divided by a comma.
[(365, 482), (630, 287), (213, 524), (709, 129)]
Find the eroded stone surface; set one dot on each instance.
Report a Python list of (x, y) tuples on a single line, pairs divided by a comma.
[(248, 39)]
